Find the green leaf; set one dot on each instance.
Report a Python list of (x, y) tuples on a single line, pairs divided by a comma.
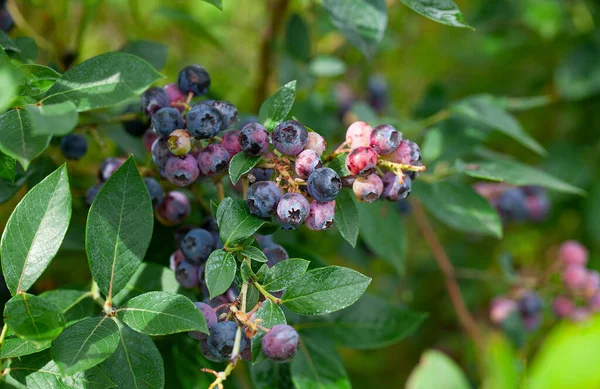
[(13, 346), (317, 365), (591, 213), (29, 51), (85, 344), (119, 229), (483, 111), (514, 173), (441, 11), (271, 375), (162, 313), (235, 221), (33, 318), (219, 272), (284, 273), (437, 371), (339, 165), (368, 324), (254, 253), (501, 371), (17, 138), (7, 167), (346, 216), (35, 231), (325, 290), (240, 164), (382, 230), (297, 38), (7, 44), (362, 22), (154, 53), (55, 119), (578, 75), (271, 315), (10, 87), (102, 81), (38, 79), (136, 363), (188, 22), (74, 304), (276, 108), (327, 66), (8, 189), (459, 207), (216, 3)]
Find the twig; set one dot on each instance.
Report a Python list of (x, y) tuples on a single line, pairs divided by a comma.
[(264, 292), (464, 316), (3, 334), (220, 190)]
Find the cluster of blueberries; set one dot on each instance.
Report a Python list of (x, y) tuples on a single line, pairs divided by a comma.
[(516, 204), (525, 305), (6, 20)]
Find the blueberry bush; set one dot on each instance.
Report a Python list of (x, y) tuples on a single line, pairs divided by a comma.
[(174, 217)]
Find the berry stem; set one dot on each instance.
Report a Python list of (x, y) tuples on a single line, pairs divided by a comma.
[(3, 334), (398, 168), (95, 293), (264, 292), (220, 190), (244, 187)]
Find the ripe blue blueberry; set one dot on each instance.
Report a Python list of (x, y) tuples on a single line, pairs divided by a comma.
[(231, 143), (187, 274), (183, 170), (385, 139), (261, 174), (166, 120), (362, 161), (197, 245), (321, 215), (154, 99), (174, 209), (264, 240), (511, 205), (108, 167), (280, 343), (228, 112), (209, 316), (213, 160), (155, 190), (254, 139), (378, 95), (91, 193), (393, 190), (203, 121), (368, 189), (306, 162), (275, 253), (292, 210), (73, 146), (529, 304), (160, 152), (6, 20), (262, 198), (222, 338), (195, 79), (290, 137), (324, 185)]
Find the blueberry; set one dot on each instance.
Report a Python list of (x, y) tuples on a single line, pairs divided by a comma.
[(573, 253), (407, 153), (537, 205), (579, 314), (511, 205), (175, 96), (275, 253), (213, 160), (385, 139), (195, 79), (183, 170), (529, 304), (280, 343), (265, 241), (166, 120), (73, 146), (231, 142), (262, 198), (254, 139), (574, 277), (135, 127), (594, 303), (362, 161), (290, 137), (209, 354), (187, 274), (108, 167), (209, 316), (377, 96), (155, 190), (197, 245), (174, 209), (222, 338), (306, 162), (160, 152), (228, 112), (91, 193), (149, 138), (321, 216), (563, 306), (210, 224), (260, 174), (501, 308), (6, 20), (393, 190), (203, 121), (154, 99), (316, 142), (368, 189), (180, 142), (174, 260), (358, 135), (292, 210), (592, 283), (324, 184)]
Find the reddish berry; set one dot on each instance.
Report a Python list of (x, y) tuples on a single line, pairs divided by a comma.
[(362, 161), (175, 258), (231, 142), (385, 139), (574, 277), (359, 135), (501, 308), (174, 209), (175, 96), (280, 343), (213, 160), (594, 303), (182, 171), (149, 138), (580, 314), (592, 283), (316, 142), (320, 216), (368, 189), (573, 253), (306, 162), (563, 306), (407, 153)]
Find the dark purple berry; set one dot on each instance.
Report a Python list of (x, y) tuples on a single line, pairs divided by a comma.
[(280, 343), (260, 174), (197, 245), (175, 96), (91, 193), (182, 171), (292, 210), (511, 205), (377, 96), (262, 198), (306, 162), (155, 190), (210, 224), (154, 99), (362, 161), (6, 20), (166, 120), (73, 146), (187, 274), (231, 142), (209, 316), (174, 209), (135, 127), (228, 112), (324, 185), (213, 160), (393, 189), (160, 152), (208, 354), (195, 79), (275, 253), (529, 304), (264, 241), (321, 215), (385, 139), (222, 338), (149, 138), (368, 189), (108, 167), (254, 139), (203, 121), (290, 137)]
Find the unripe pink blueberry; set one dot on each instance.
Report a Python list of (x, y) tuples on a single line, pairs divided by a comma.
[(213, 160), (316, 142), (175, 258), (359, 135), (231, 142), (501, 308), (592, 283), (175, 96), (149, 138), (306, 162), (368, 189), (594, 303), (574, 277), (532, 322), (407, 153), (362, 161), (563, 306), (174, 209), (573, 253), (183, 170), (580, 314), (385, 139), (320, 216), (180, 142)]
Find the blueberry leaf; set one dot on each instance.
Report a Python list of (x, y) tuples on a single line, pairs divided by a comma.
[(254, 253), (325, 290), (240, 164), (276, 108), (85, 344), (53, 119), (35, 231), (9, 79), (271, 375), (284, 273), (271, 315), (7, 167), (74, 304), (33, 318), (7, 44), (216, 3), (38, 79), (346, 216), (219, 272), (119, 229), (153, 52), (437, 371), (162, 313), (13, 346), (441, 11), (18, 139), (235, 221)]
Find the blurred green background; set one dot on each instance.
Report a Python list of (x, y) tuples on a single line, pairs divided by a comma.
[(548, 49)]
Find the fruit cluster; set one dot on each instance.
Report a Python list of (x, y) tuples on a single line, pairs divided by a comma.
[(525, 306), (516, 204)]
